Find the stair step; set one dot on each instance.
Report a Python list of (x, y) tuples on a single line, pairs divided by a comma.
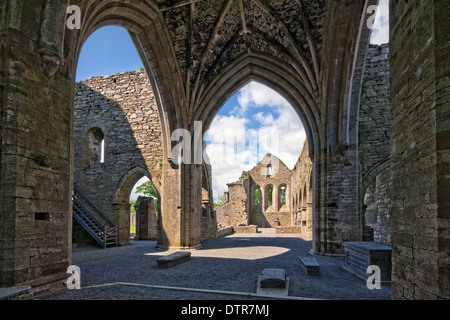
[(105, 236)]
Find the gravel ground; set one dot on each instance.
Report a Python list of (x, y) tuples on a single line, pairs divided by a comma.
[(231, 264)]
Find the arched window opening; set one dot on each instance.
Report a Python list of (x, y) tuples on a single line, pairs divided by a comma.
[(282, 195), (269, 170), (102, 151), (94, 147), (269, 195), (144, 210), (257, 197)]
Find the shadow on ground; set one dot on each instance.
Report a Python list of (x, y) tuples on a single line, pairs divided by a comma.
[(230, 264)]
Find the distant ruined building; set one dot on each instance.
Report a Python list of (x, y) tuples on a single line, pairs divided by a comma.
[(271, 196)]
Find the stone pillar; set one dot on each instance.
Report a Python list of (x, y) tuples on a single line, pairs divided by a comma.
[(36, 147), (420, 148), (146, 219), (181, 206), (337, 217)]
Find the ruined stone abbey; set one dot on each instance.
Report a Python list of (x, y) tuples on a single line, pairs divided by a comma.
[(375, 167)]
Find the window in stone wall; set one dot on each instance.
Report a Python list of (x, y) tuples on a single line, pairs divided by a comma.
[(282, 193), (269, 195), (94, 147), (269, 170), (299, 203), (257, 197)]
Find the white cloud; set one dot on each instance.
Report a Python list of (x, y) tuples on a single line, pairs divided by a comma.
[(257, 95), (380, 33), (234, 147)]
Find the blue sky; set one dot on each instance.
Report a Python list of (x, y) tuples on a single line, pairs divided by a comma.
[(109, 50), (235, 141)]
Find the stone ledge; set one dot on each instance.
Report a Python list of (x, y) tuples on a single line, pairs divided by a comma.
[(246, 229), (173, 259), (224, 232), (288, 229)]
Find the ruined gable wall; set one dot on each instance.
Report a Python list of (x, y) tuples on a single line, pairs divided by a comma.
[(123, 107), (281, 175)]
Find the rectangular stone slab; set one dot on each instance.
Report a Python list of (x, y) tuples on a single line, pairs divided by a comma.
[(309, 265), (273, 278), (273, 292), (360, 255), (173, 259)]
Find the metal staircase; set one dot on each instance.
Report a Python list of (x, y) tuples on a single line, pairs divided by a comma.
[(104, 233)]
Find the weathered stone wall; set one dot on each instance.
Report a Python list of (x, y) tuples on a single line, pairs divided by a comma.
[(240, 207), (377, 209), (36, 115), (382, 228), (301, 193), (374, 112), (420, 152), (146, 219), (374, 145), (267, 214), (233, 212), (123, 108)]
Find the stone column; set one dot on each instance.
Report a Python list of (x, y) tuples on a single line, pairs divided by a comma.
[(420, 148), (181, 206), (146, 219), (36, 105), (337, 214)]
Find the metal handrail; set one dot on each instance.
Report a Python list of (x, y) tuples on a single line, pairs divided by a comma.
[(83, 211), (76, 190), (78, 215)]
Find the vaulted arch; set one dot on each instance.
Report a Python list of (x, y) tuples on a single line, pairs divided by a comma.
[(274, 74)]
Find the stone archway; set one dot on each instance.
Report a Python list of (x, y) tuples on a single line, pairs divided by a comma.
[(189, 50), (121, 201)]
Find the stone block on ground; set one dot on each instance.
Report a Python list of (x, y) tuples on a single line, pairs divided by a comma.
[(273, 282), (288, 229), (173, 259), (246, 229), (309, 265), (360, 255), (273, 278)]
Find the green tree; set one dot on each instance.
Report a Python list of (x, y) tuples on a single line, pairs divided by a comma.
[(132, 208), (269, 196), (219, 201), (148, 189)]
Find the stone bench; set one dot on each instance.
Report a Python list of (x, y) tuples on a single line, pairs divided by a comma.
[(173, 259), (360, 255), (309, 265)]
